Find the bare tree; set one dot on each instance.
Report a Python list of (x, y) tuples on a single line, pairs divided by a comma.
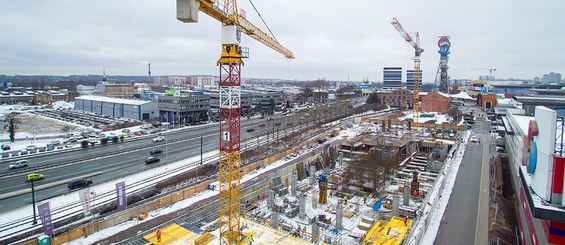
[(67, 128)]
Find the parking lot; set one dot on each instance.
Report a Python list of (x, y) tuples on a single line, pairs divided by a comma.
[(88, 119)]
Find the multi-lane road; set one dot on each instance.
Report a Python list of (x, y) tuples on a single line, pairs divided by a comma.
[(107, 162)]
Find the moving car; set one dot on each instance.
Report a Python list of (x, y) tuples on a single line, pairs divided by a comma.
[(78, 183), (150, 160), (474, 139), (18, 164), (5, 147), (34, 177), (156, 151), (250, 129), (159, 139)]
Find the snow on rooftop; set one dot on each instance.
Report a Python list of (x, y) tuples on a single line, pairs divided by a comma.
[(462, 95), (113, 100)]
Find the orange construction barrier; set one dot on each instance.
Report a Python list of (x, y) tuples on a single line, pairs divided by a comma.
[(143, 215)]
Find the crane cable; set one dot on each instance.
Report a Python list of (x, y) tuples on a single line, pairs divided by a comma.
[(257, 11)]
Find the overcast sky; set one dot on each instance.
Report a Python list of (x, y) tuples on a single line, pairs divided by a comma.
[(331, 39)]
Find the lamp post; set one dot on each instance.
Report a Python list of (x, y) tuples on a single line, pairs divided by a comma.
[(166, 144), (33, 202)]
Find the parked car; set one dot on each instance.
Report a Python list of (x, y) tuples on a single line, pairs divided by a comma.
[(30, 147), (156, 151), (250, 129), (5, 147), (34, 177), (150, 160), (18, 164), (159, 139), (78, 183)]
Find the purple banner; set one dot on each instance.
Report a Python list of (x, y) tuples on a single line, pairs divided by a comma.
[(45, 216), (122, 198)]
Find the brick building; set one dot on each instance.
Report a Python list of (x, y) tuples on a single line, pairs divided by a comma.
[(435, 102), (401, 98)]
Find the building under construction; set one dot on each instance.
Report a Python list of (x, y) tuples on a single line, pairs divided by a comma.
[(358, 184)]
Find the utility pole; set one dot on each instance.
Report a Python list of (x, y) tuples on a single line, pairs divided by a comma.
[(33, 202)]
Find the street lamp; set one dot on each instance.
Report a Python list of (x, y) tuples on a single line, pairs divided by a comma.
[(33, 201)]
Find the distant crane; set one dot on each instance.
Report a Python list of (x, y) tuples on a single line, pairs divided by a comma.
[(415, 43), (489, 69), (230, 62)]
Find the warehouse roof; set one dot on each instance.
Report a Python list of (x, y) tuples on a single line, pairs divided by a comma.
[(113, 100)]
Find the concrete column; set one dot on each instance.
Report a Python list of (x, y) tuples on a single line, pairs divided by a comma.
[(314, 199), (395, 204), (406, 195), (312, 174), (339, 216), (271, 199), (275, 219), (302, 207), (293, 180), (315, 232)]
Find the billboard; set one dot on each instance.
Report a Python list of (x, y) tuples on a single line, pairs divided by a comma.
[(45, 216), (121, 196), (84, 196)]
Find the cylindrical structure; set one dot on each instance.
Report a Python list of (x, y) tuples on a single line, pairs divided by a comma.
[(293, 180), (271, 199), (339, 217), (275, 220), (395, 204), (315, 232), (312, 174), (302, 207), (314, 200), (406, 201)]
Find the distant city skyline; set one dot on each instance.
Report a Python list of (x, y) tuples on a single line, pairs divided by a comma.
[(330, 39)]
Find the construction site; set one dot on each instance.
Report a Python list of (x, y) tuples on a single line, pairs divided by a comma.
[(361, 183)]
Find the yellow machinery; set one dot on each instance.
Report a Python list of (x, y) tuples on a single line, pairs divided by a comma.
[(323, 184), (230, 63), (415, 43)]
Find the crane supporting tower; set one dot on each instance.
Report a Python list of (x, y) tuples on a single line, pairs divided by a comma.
[(441, 83), (415, 43), (230, 62)]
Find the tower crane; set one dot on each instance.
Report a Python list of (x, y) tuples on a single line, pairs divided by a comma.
[(415, 43), (230, 62), (489, 69)]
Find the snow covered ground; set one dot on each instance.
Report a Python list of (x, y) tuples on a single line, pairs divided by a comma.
[(439, 118)]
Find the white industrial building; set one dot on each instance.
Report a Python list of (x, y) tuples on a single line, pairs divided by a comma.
[(114, 107)]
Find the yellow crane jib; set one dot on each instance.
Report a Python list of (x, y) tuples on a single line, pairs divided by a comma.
[(226, 12)]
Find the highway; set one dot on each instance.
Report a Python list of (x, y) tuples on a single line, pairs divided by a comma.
[(464, 219), (103, 166), (111, 161)]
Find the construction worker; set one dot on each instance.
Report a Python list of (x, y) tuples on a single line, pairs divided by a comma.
[(345, 199), (405, 220), (250, 238), (331, 193), (158, 235), (365, 198)]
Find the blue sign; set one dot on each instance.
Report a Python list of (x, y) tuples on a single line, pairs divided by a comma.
[(532, 160)]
